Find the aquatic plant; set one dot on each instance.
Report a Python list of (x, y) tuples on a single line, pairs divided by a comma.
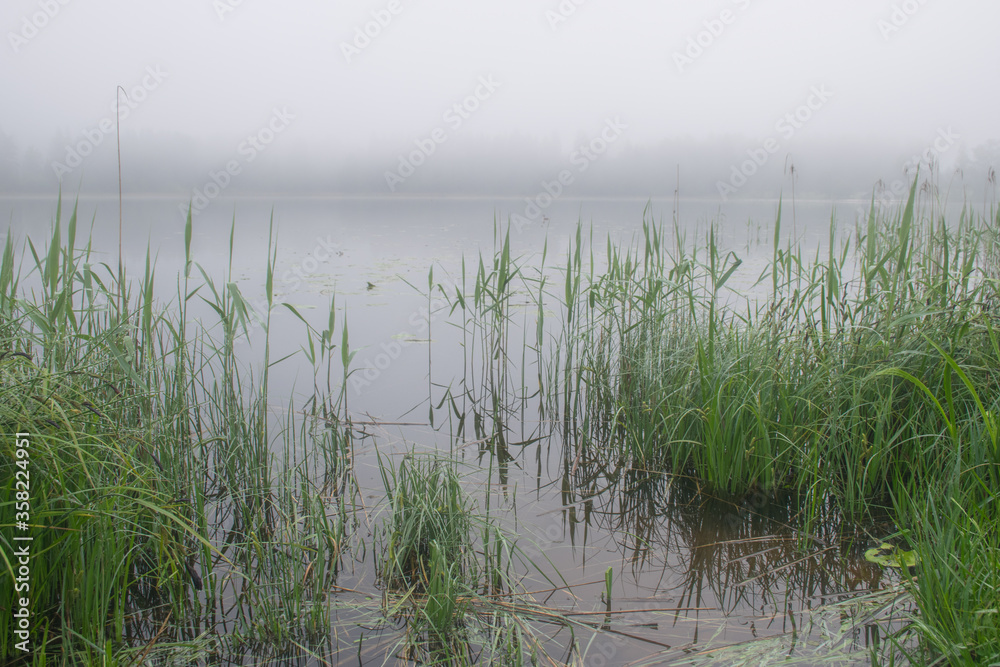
[(155, 492)]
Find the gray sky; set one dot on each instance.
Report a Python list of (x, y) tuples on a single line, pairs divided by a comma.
[(889, 71)]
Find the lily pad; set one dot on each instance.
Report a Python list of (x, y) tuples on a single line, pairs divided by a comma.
[(888, 555)]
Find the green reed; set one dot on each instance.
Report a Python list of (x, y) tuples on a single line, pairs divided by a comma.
[(447, 568), (793, 390), (156, 494), (838, 378), (864, 380), (858, 380)]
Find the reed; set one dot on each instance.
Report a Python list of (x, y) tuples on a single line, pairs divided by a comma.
[(448, 570), (844, 385), (155, 492), (863, 381), (811, 387)]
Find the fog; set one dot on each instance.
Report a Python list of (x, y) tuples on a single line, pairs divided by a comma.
[(728, 99)]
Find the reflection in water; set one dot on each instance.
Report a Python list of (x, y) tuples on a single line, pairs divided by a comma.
[(690, 571), (702, 571), (736, 569)]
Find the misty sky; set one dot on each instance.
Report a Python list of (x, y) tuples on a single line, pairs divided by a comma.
[(214, 72)]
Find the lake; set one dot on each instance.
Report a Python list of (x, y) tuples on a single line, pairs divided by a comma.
[(692, 574)]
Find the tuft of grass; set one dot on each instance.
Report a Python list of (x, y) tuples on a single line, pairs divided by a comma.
[(427, 552), (430, 520), (449, 570)]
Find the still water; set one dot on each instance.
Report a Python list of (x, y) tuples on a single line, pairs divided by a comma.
[(374, 254), (692, 574)]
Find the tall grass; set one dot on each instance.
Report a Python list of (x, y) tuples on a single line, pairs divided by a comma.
[(846, 379), (448, 570), (953, 521), (812, 386), (863, 380), (854, 381), (157, 496)]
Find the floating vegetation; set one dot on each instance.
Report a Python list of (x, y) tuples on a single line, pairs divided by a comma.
[(890, 555)]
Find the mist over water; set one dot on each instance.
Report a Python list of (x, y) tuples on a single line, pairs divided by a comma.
[(473, 191), (732, 99)]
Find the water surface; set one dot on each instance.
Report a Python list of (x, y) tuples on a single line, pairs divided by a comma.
[(692, 572)]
